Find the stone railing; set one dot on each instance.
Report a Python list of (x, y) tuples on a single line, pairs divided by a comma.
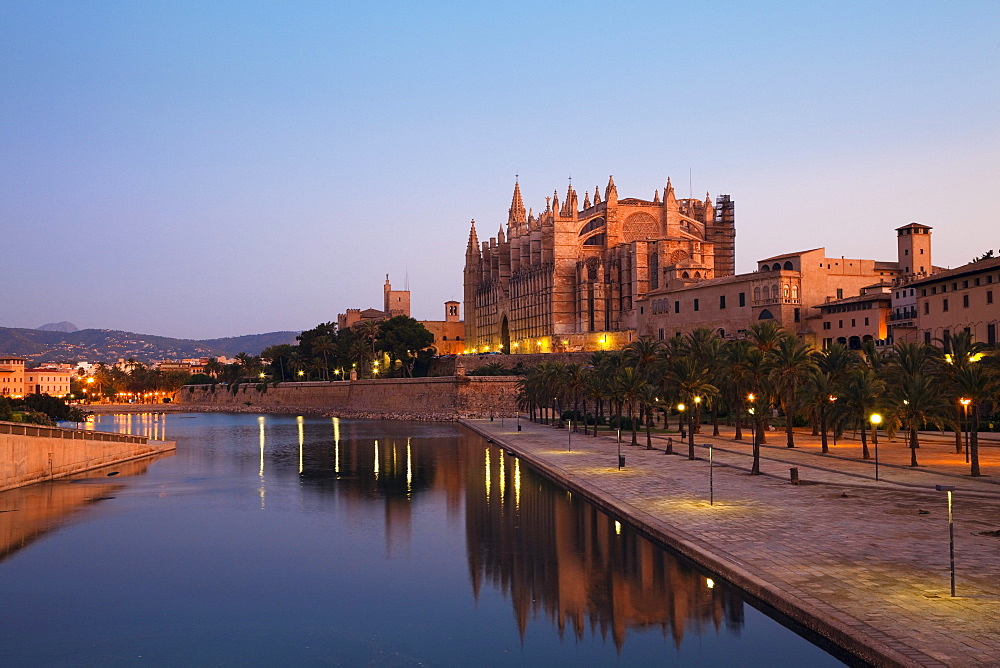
[(22, 429)]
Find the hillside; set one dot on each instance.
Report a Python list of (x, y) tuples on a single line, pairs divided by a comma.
[(106, 345)]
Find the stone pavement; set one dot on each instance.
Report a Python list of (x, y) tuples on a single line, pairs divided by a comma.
[(864, 563)]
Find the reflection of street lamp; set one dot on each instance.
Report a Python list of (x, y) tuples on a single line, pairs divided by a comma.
[(951, 532), (876, 420), (965, 401)]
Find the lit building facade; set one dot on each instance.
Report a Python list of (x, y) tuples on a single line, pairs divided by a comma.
[(573, 278)]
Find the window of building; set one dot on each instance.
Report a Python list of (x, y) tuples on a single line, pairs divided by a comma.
[(965, 301), (977, 281), (743, 299), (840, 293), (944, 305), (677, 306), (767, 292), (840, 324), (785, 291), (927, 337), (991, 334), (827, 324), (722, 301), (695, 304), (661, 333), (866, 322), (946, 339), (989, 296), (954, 286), (927, 308), (854, 323), (795, 315), (944, 288)]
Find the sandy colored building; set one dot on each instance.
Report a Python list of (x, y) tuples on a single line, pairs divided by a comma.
[(448, 333), (17, 381), (966, 298), (855, 320), (574, 277), (394, 302), (789, 288)]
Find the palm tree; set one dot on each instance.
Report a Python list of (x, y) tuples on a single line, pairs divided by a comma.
[(732, 379), (916, 402), (861, 391), (631, 386), (978, 386), (649, 400), (324, 345), (817, 391), (789, 364), (947, 366), (692, 380)]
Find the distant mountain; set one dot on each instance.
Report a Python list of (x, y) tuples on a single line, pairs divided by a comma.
[(251, 344), (63, 326), (106, 345)]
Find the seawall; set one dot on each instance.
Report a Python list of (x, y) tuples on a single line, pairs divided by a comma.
[(446, 398), (30, 453)]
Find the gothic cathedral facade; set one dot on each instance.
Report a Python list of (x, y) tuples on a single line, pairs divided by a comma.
[(571, 277)]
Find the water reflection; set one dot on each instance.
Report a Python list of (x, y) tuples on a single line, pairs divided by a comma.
[(553, 556), (29, 513), (519, 568)]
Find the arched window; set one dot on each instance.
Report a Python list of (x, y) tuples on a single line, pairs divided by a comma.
[(756, 294), (784, 291), (776, 267), (765, 268), (774, 290), (766, 315), (697, 274), (788, 266), (685, 275), (767, 292), (795, 292)]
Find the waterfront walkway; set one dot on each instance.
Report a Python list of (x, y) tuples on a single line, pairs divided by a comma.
[(865, 562)]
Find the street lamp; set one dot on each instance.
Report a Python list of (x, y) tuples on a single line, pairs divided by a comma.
[(680, 427), (965, 401), (876, 420), (951, 532), (833, 400)]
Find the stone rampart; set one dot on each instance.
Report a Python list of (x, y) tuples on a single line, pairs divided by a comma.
[(31, 454), (445, 398), (445, 366)]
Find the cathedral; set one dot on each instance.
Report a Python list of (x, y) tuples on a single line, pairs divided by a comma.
[(572, 277)]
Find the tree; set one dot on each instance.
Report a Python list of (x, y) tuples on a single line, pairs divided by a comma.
[(401, 338), (692, 380), (789, 365), (861, 391), (978, 386), (916, 402)]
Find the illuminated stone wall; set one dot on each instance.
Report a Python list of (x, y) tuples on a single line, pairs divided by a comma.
[(447, 398)]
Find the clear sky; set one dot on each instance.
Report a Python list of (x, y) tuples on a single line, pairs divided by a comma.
[(203, 169)]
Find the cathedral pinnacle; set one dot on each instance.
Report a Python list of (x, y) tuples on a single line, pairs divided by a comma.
[(597, 195), (656, 196), (586, 200), (473, 238), (611, 190), (516, 213)]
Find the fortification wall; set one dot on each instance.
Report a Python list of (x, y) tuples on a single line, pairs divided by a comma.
[(446, 398), (44, 453), (445, 366)]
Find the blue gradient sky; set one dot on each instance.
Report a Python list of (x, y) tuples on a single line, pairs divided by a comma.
[(214, 169)]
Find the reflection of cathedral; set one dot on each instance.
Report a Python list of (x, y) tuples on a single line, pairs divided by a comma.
[(574, 564), (571, 277)]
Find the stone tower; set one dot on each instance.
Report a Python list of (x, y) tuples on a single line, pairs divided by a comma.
[(397, 302), (913, 245)]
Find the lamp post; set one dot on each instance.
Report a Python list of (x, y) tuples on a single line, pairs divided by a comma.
[(680, 427), (833, 400), (876, 420), (951, 532), (965, 401), (711, 478)]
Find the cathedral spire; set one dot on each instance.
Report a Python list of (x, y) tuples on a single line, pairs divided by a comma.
[(586, 200), (500, 236), (473, 238), (656, 196), (597, 195), (516, 212), (668, 194), (611, 192)]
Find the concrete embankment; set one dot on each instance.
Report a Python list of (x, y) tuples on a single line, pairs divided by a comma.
[(446, 398), (30, 453), (863, 563)]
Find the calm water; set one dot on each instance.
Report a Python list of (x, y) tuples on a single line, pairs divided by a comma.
[(277, 540)]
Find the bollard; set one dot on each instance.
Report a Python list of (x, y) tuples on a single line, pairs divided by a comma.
[(621, 461), (794, 472)]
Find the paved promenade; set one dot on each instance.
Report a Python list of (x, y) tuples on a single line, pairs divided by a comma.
[(865, 562)]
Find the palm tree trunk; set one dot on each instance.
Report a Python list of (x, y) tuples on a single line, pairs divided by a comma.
[(823, 439), (715, 420), (790, 438), (958, 432), (864, 443), (758, 432), (691, 435), (739, 427), (913, 446), (649, 436), (974, 441)]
